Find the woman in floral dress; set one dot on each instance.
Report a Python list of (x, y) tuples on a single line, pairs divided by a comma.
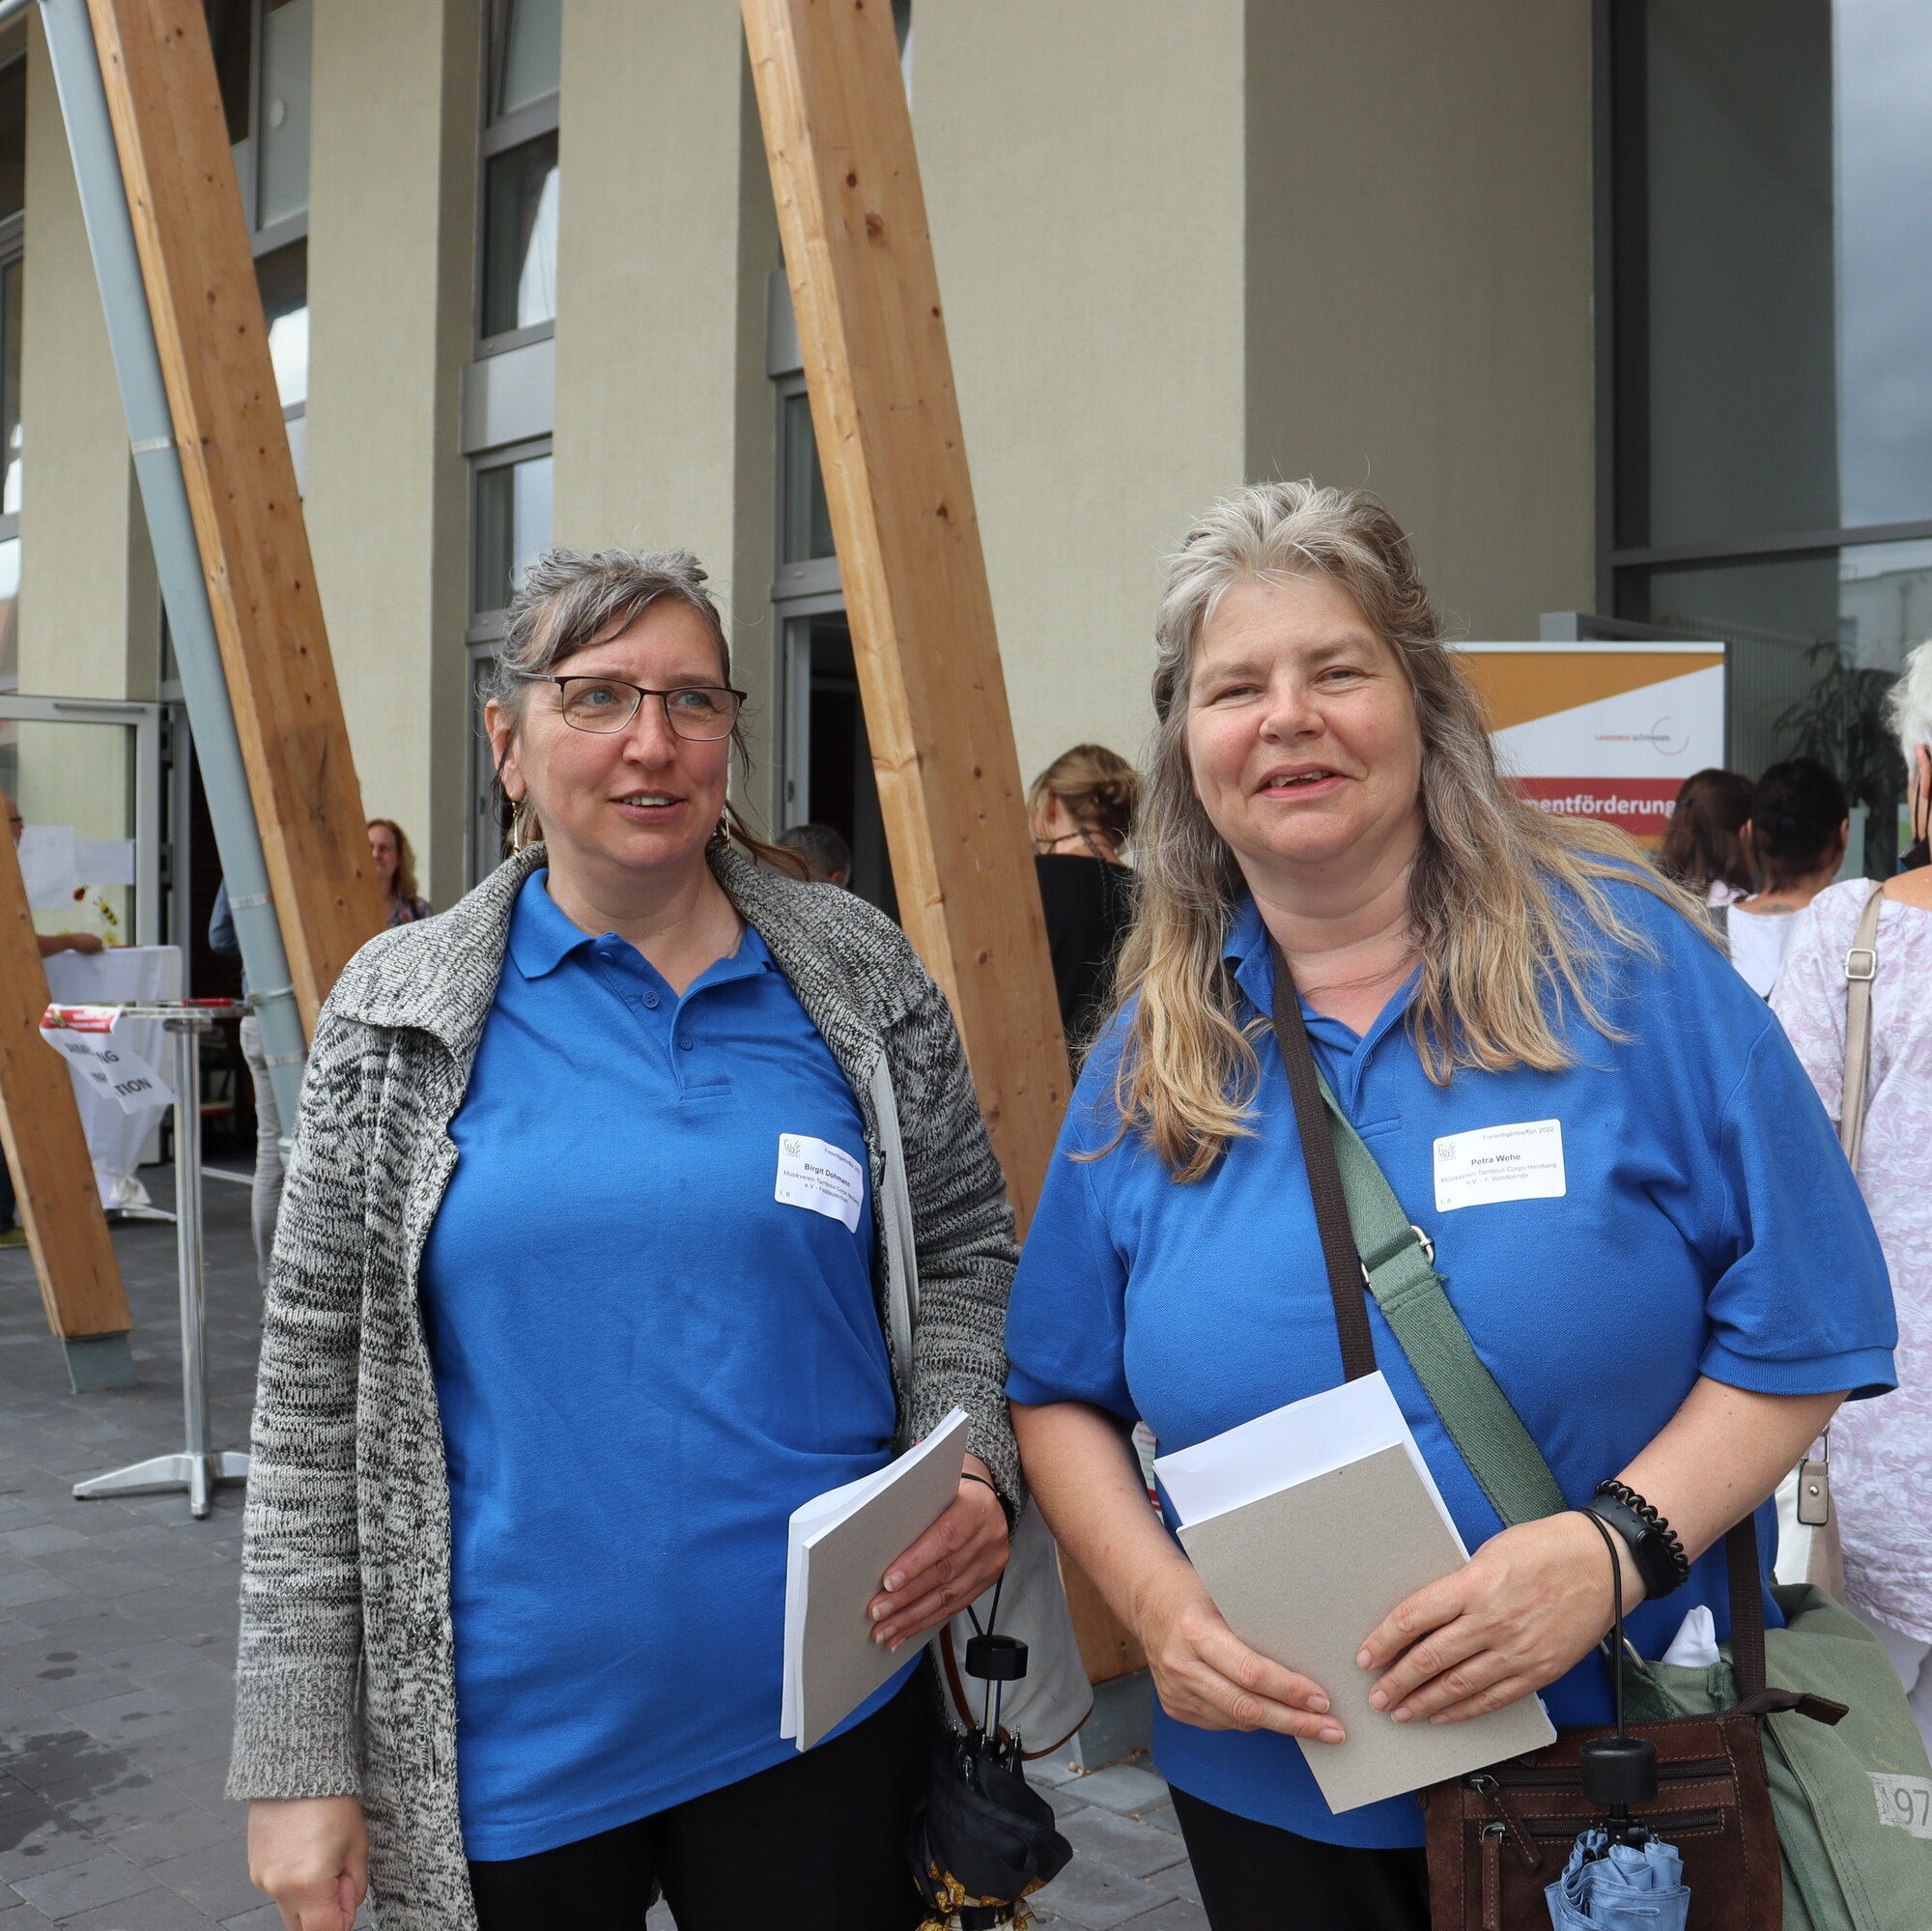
[(1882, 1450)]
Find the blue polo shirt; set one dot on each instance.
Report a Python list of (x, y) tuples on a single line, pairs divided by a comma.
[(1708, 1226), (644, 1363)]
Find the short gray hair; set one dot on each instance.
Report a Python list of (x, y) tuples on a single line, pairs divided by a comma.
[(567, 600), (1911, 703)]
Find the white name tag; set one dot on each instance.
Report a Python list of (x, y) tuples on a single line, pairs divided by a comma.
[(1519, 1162), (1905, 1802), (815, 1174)]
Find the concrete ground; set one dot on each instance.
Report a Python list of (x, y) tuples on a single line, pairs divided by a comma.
[(117, 1642)]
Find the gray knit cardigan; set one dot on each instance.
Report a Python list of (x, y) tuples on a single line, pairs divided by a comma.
[(345, 1682)]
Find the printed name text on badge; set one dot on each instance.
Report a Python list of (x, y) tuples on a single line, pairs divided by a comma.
[(815, 1174), (1524, 1161)]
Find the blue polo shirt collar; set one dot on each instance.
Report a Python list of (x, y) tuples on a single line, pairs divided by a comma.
[(542, 937), (1251, 959)]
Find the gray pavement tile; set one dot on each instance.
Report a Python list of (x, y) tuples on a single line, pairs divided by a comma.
[(38, 1541), (263, 1918), (1120, 1844), (36, 1841), (214, 1879), (1182, 1914), (1097, 1900), (164, 1838), (107, 1807), (1051, 1772), (1122, 1786), (207, 1740), (205, 1784), (64, 1893), (30, 1585), (1162, 1818), (149, 1911), (192, 1682), (131, 1714), (56, 1753), (119, 1578)]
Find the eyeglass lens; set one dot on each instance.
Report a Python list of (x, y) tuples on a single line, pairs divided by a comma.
[(604, 704)]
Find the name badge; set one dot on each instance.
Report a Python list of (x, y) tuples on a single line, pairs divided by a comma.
[(815, 1174), (1519, 1162)]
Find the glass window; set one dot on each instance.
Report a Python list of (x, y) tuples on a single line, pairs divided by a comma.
[(11, 277), (806, 521), (12, 138), (9, 597), (284, 279), (231, 31), (513, 507), (532, 59), (519, 189), (285, 110), (1775, 260)]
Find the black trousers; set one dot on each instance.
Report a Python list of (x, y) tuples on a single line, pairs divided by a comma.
[(816, 1843), (1256, 1877)]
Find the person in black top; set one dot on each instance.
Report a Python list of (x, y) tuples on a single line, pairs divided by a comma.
[(1081, 808)]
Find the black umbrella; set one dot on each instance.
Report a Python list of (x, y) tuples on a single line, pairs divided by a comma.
[(981, 1840)]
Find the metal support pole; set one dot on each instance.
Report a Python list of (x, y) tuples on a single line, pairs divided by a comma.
[(131, 332), (197, 1468)]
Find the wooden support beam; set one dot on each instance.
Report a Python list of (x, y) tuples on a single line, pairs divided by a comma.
[(863, 288), (40, 1126), (168, 126), (838, 139)]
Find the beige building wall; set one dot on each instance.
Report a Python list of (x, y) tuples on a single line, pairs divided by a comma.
[(1084, 178), (90, 611), (1419, 283), (392, 191)]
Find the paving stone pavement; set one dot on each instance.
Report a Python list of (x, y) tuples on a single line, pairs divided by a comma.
[(117, 1642)]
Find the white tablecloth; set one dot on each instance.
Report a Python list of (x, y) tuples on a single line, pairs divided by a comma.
[(116, 977)]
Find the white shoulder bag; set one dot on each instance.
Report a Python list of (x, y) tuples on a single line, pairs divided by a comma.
[(1053, 1698)]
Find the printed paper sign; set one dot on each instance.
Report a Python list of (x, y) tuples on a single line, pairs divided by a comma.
[(113, 1071), (815, 1174), (1905, 1802), (1524, 1161)]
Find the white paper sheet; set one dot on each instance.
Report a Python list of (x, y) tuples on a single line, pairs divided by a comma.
[(103, 861), (46, 866), (1289, 1445)]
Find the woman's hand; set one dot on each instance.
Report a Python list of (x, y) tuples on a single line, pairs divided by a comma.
[(311, 1855), (1208, 1676), (1525, 1607), (953, 1563)]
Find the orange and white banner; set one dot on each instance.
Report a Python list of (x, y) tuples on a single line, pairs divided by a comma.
[(1603, 730)]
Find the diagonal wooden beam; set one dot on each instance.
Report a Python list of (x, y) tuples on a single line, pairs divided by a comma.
[(166, 110), (859, 258), (39, 1126)]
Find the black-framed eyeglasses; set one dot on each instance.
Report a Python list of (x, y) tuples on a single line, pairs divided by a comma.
[(700, 712)]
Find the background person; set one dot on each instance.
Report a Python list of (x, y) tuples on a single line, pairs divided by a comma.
[(1703, 845), (559, 1506), (1795, 841), (1081, 808), (826, 855), (396, 872), (264, 1195), (1320, 781), (50, 942), (1882, 1451)]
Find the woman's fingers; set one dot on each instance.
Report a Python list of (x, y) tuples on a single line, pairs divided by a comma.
[(1442, 1650), (1412, 1619), (956, 1561), (1498, 1696), (1208, 1677)]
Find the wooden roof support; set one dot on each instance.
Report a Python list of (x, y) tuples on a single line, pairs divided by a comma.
[(859, 258), (53, 1175), (867, 297), (166, 110)]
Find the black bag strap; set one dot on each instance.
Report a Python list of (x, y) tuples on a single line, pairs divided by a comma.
[(1350, 1279)]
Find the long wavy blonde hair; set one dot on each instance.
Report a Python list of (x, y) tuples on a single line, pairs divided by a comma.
[(1509, 914)]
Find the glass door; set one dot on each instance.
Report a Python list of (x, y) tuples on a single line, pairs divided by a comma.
[(86, 776)]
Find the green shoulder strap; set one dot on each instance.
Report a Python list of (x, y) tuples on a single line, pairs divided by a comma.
[(1485, 1428)]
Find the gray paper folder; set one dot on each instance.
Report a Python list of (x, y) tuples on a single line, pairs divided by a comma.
[(841, 1545), (1305, 1573)]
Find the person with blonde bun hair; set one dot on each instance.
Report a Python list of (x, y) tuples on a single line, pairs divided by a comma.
[(1081, 808), (1634, 1199)]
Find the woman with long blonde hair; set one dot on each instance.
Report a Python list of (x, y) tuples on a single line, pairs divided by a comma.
[(1634, 1196)]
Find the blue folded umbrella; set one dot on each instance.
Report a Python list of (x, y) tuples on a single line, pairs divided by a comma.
[(1631, 1887)]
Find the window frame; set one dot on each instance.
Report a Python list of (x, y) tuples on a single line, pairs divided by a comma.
[(497, 134)]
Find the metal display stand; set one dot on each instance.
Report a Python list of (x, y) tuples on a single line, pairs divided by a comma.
[(196, 1467)]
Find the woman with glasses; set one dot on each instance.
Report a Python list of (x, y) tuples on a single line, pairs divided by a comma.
[(576, 1298)]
